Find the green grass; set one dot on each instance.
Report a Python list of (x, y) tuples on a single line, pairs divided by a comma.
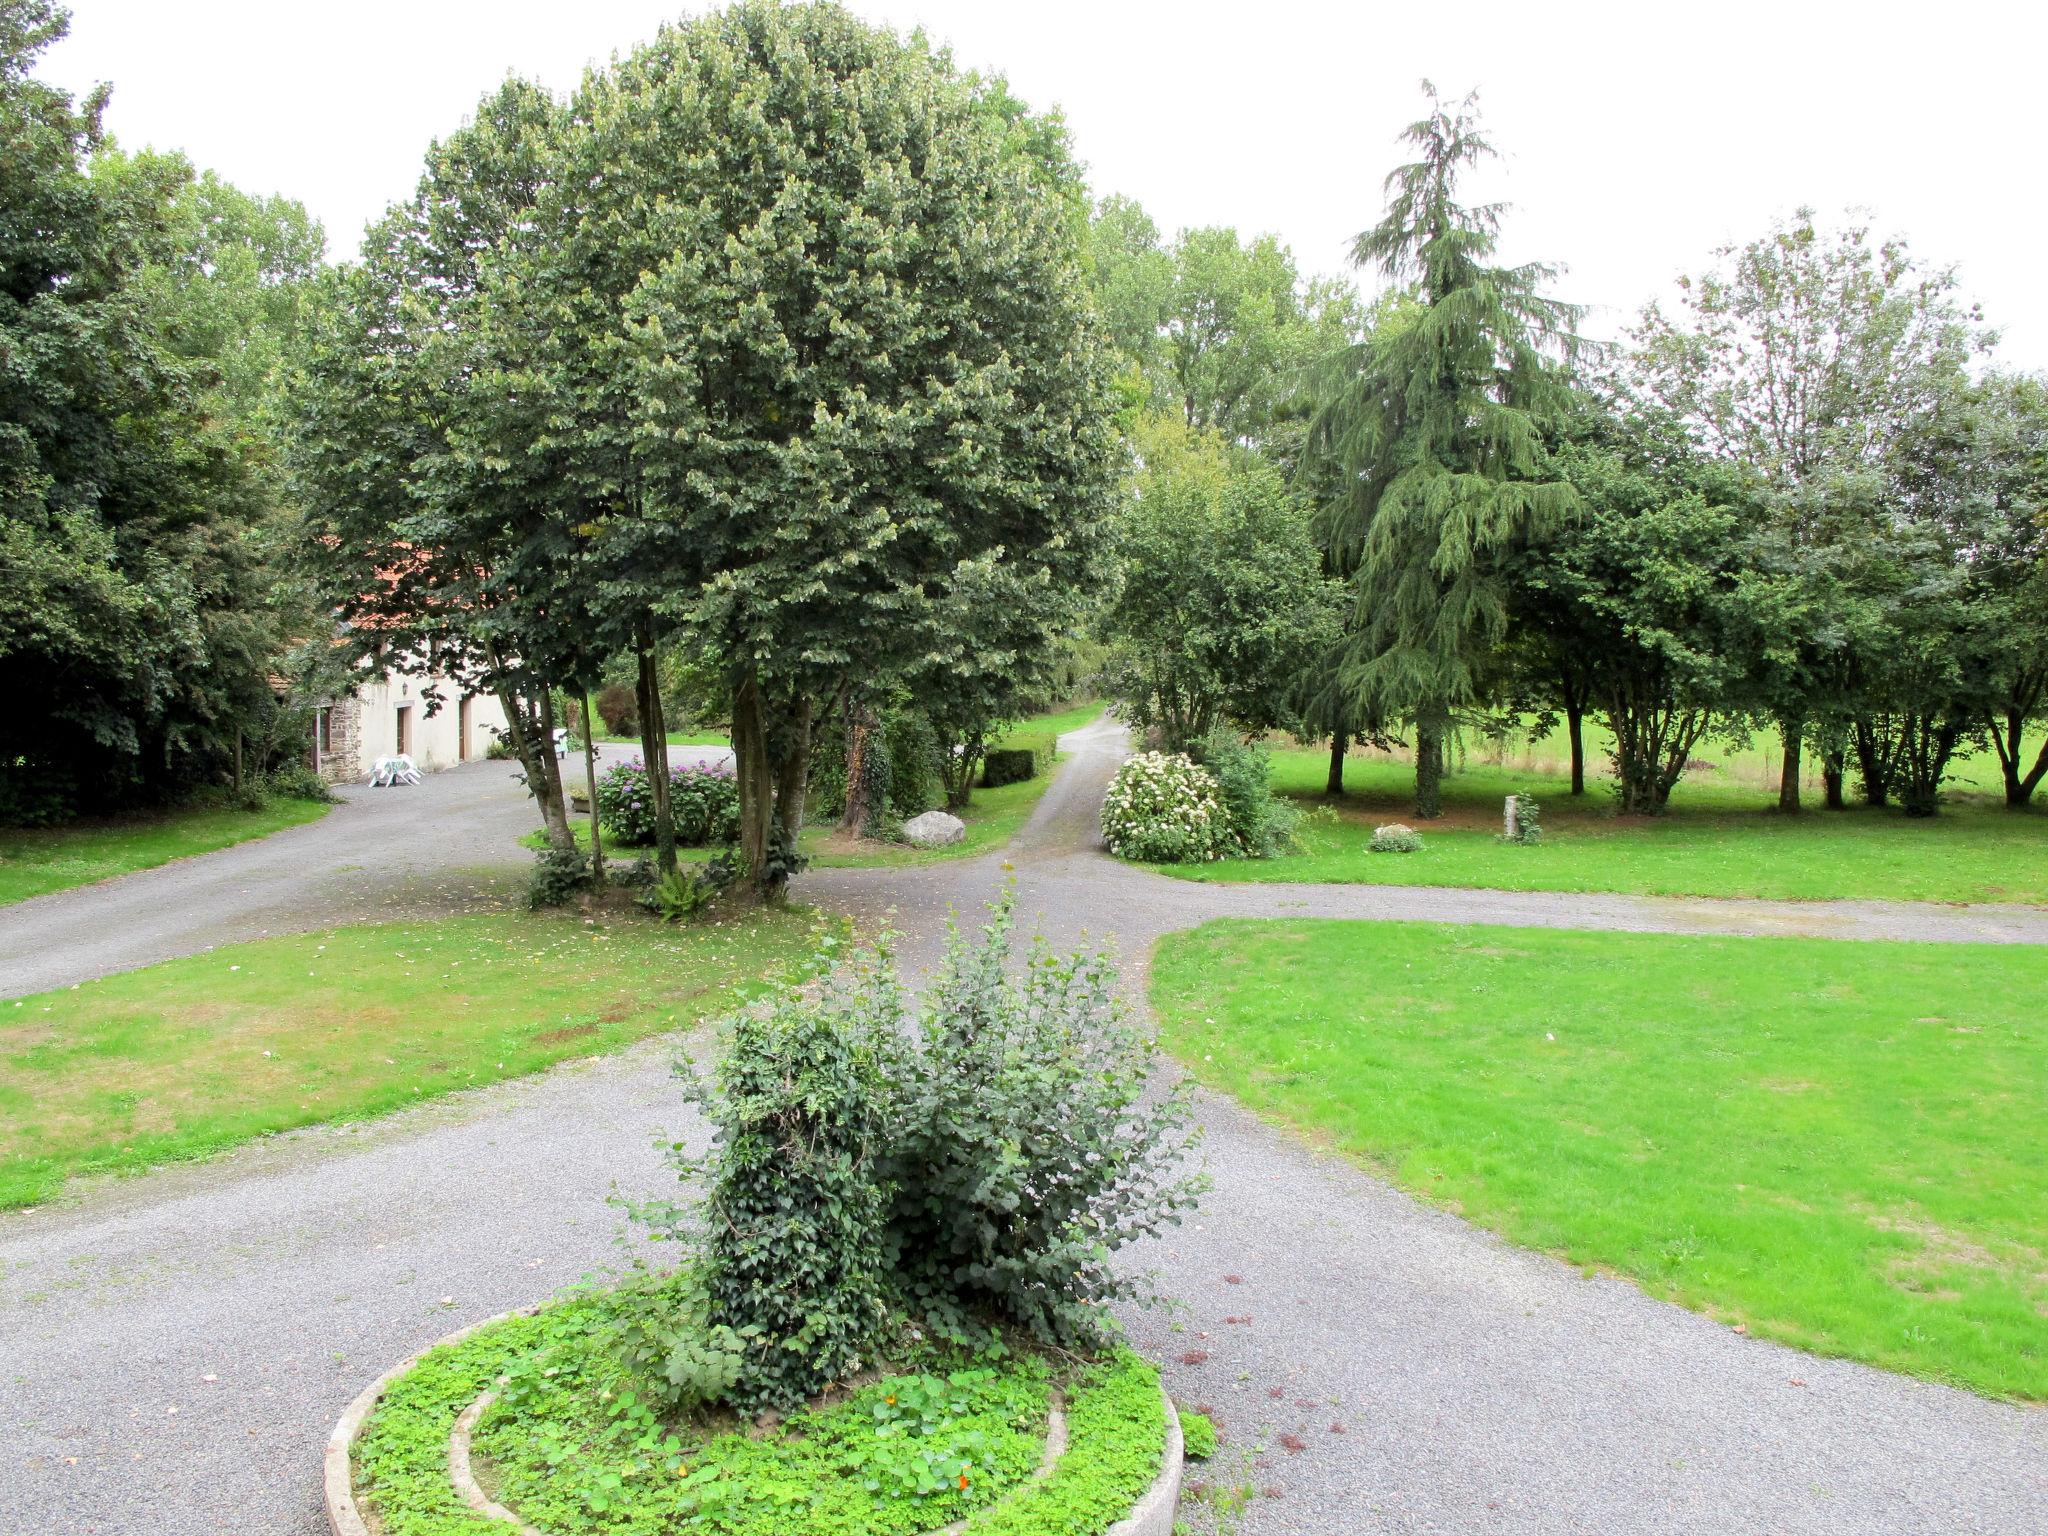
[(34, 862), (835, 1469), (1836, 1144), (191, 1056), (1719, 839)]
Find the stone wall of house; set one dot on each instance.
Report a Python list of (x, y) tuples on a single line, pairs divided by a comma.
[(342, 762)]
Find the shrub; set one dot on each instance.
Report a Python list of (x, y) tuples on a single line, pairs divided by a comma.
[(791, 1227), (298, 782), (1163, 809), (1395, 837), (704, 802), (969, 1168), (619, 708), (501, 749), (1259, 824), (558, 874), (1007, 765), (1197, 1434), (1022, 1149)]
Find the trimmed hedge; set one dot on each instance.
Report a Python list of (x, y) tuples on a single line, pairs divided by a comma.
[(1008, 765)]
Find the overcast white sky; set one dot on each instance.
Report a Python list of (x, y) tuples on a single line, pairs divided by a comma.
[(1638, 136)]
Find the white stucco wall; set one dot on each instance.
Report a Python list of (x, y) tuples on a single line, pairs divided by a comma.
[(436, 740)]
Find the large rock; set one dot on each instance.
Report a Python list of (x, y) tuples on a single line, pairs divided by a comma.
[(934, 829)]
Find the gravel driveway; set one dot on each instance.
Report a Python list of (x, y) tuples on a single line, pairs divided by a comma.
[(176, 1347)]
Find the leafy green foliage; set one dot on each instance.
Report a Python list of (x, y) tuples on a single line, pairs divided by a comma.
[(558, 875), (1021, 1150), (792, 1219), (1257, 822), (1198, 1435), (1008, 765), (141, 313), (1528, 821), (1163, 809), (1223, 602)]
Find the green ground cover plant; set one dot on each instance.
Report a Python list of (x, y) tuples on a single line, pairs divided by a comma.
[(195, 1055), (1718, 839), (36, 861), (1835, 1144), (886, 1459)]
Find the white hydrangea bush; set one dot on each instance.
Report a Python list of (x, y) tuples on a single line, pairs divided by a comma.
[(1163, 809)]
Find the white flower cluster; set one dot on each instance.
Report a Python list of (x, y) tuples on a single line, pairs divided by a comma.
[(1163, 809)]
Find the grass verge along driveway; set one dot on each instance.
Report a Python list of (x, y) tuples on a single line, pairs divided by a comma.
[(1834, 1144), (36, 861), (1717, 840), (194, 1055)]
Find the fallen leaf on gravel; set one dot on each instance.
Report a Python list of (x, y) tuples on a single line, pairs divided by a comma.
[(1336, 1429), (1293, 1444), (1276, 1393), (1233, 1279), (1194, 1357)]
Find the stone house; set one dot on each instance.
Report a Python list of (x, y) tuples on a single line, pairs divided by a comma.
[(387, 717)]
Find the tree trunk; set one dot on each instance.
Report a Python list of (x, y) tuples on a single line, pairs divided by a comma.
[(1429, 767), (533, 760), (1791, 732), (2009, 737), (654, 750), (792, 779), (1872, 766), (750, 764), (866, 768), (1575, 729), (238, 762), (554, 809), (1831, 781), (1340, 743), (590, 788)]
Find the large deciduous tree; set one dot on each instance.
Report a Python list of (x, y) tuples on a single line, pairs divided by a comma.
[(1436, 433), (136, 631), (438, 523), (1804, 355), (819, 349), (1223, 604)]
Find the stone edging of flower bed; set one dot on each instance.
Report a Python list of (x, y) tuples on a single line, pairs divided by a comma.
[(1152, 1515)]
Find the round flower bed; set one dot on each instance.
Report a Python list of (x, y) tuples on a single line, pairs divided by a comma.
[(1163, 809), (530, 1419)]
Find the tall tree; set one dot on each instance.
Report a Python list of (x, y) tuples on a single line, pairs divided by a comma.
[(1803, 355), (1223, 603), (135, 636), (1436, 433), (437, 523), (822, 346)]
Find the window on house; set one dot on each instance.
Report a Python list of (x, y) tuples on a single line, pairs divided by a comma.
[(326, 728), (405, 730)]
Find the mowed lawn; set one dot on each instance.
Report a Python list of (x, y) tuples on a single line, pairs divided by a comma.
[(194, 1055), (1719, 839), (1840, 1145), (36, 861)]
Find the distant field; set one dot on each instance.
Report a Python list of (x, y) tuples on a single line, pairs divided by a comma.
[(1834, 1144), (1721, 837), (34, 862)]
